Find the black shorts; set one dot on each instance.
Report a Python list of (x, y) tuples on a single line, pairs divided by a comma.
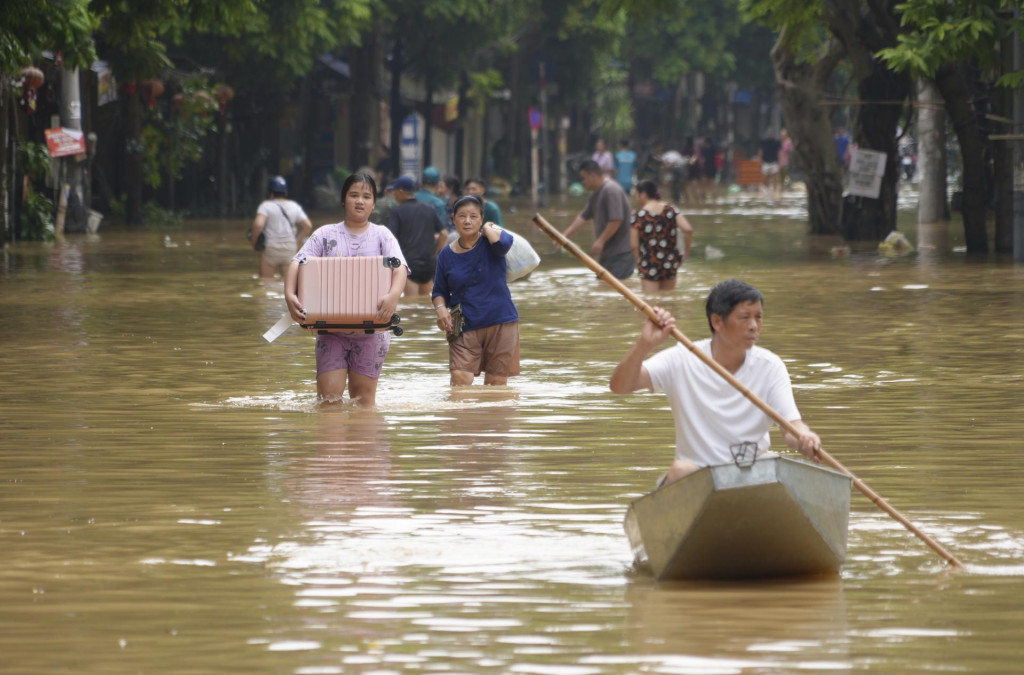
[(620, 265), (421, 276)]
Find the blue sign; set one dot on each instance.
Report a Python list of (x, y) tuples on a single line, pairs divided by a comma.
[(535, 120), (410, 150)]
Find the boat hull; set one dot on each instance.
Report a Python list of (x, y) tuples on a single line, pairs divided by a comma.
[(778, 517)]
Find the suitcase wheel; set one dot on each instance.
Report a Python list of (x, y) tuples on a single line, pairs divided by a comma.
[(397, 330), (392, 262), (395, 319)]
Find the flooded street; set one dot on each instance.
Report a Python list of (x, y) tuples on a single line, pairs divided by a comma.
[(172, 499)]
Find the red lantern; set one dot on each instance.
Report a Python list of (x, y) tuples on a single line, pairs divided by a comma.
[(224, 93), (202, 100), (151, 91), (32, 79)]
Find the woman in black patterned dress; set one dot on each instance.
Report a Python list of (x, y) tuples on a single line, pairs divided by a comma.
[(654, 239)]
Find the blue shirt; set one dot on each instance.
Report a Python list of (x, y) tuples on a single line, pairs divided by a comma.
[(624, 162), (476, 280), (428, 197), (492, 213)]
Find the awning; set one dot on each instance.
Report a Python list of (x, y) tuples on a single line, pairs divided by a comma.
[(339, 66)]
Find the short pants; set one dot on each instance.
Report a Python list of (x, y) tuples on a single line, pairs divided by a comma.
[(621, 265), (356, 352), (280, 253), (493, 350), (769, 168), (421, 276)]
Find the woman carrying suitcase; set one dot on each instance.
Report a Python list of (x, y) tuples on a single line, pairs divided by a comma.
[(473, 303), (355, 358)]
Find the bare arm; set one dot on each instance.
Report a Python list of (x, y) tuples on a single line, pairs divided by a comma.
[(258, 223), (575, 226), (634, 243), (683, 224), (491, 231), (808, 443), (630, 374), (389, 303), (305, 229), (291, 279)]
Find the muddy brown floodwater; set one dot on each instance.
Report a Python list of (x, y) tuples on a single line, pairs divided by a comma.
[(172, 500)]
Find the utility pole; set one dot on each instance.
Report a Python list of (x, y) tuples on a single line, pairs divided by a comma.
[(72, 173), (545, 157), (932, 225)]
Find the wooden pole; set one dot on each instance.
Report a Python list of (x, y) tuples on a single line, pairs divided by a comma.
[(785, 424)]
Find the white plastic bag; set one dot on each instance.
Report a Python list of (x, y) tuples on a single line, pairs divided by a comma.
[(521, 259)]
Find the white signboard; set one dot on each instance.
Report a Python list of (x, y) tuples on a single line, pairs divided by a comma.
[(866, 170)]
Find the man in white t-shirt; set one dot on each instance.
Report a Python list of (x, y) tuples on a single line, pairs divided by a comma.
[(285, 225), (712, 417)]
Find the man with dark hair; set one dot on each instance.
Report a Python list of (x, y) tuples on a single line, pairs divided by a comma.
[(478, 188), (711, 415), (609, 208), (419, 231)]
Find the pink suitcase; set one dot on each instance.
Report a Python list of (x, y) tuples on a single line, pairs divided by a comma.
[(340, 295)]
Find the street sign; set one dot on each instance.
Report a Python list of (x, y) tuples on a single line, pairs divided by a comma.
[(535, 118), (411, 152), (63, 142)]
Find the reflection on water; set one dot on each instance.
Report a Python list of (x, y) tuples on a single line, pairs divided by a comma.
[(174, 499)]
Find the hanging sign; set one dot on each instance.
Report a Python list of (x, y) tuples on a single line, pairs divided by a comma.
[(866, 170), (63, 142)]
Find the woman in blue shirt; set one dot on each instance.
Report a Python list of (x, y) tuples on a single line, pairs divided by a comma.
[(473, 303)]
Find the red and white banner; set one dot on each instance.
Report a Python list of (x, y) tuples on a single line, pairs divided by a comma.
[(63, 142)]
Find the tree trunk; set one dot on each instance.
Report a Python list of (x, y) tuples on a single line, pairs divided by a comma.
[(133, 156), (519, 138), (460, 132), (865, 28), (800, 85), (397, 111), (361, 107), (6, 198), (1002, 157), (876, 130), (955, 84), (222, 165)]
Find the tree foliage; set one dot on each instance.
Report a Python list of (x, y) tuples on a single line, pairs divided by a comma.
[(27, 27), (683, 37), (938, 32)]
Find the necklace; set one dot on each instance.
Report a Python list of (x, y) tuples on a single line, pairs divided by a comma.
[(464, 247)]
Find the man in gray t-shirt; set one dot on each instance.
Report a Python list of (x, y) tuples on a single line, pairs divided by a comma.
[(609, 208)]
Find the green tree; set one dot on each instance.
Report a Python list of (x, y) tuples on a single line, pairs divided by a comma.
[(134, 38), (578, 42), (804, 58), (444, 44), (680, 37), (963, 46), (814, 37), (271, 64), (27, 27)]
